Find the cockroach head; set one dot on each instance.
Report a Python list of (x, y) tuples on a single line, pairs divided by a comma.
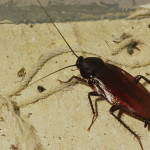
[(89, 66)]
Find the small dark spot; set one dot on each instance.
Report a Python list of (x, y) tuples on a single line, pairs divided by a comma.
[(125, 36), (66, 60), (59, 138), (104, 133), (149, 26), (41, 89), (115, 41), (13, 147), (56, 62), (131, 46), (21, 72), (1, 119), (29, 114), (48, 144), (31, 25), (147, 74), (3, 135), (16, 109), (7, 56), (44, 136)]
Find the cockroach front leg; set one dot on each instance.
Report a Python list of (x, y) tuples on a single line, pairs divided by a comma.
[(74, 77), (139, 77), (112, 110), (95, 112)]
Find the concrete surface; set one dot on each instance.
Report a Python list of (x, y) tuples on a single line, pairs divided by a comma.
[(62, 119)]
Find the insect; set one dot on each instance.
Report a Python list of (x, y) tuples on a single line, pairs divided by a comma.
[(123, 91)]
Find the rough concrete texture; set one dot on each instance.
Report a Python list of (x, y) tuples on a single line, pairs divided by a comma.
[(62, 119)]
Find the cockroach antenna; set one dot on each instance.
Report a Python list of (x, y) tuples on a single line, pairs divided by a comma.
[(63, 39), (57, 28), (51, 74)]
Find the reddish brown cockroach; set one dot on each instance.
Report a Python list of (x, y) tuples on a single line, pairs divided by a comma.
[(123, 91)]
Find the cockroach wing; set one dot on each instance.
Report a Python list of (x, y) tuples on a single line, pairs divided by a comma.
[(120, 88)]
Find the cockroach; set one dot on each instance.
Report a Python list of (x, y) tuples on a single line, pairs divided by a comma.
[(123, 91)]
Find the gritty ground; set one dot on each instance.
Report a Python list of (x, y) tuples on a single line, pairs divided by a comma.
[(62, 119)]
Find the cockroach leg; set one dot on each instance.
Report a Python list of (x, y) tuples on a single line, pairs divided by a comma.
[(89, 96), (74, 77), (96, 108), (95, 113), (142, 77), (112, 110), (120, 114), (148, 127), (146, 124)]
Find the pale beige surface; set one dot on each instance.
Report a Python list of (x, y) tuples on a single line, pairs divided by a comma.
[(61, 120)]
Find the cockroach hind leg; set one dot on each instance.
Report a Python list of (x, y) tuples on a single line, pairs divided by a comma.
[(139, 77), (147, 124), (120, 113), (95, 115), (93, 120), (149, 127), (115, 108)]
